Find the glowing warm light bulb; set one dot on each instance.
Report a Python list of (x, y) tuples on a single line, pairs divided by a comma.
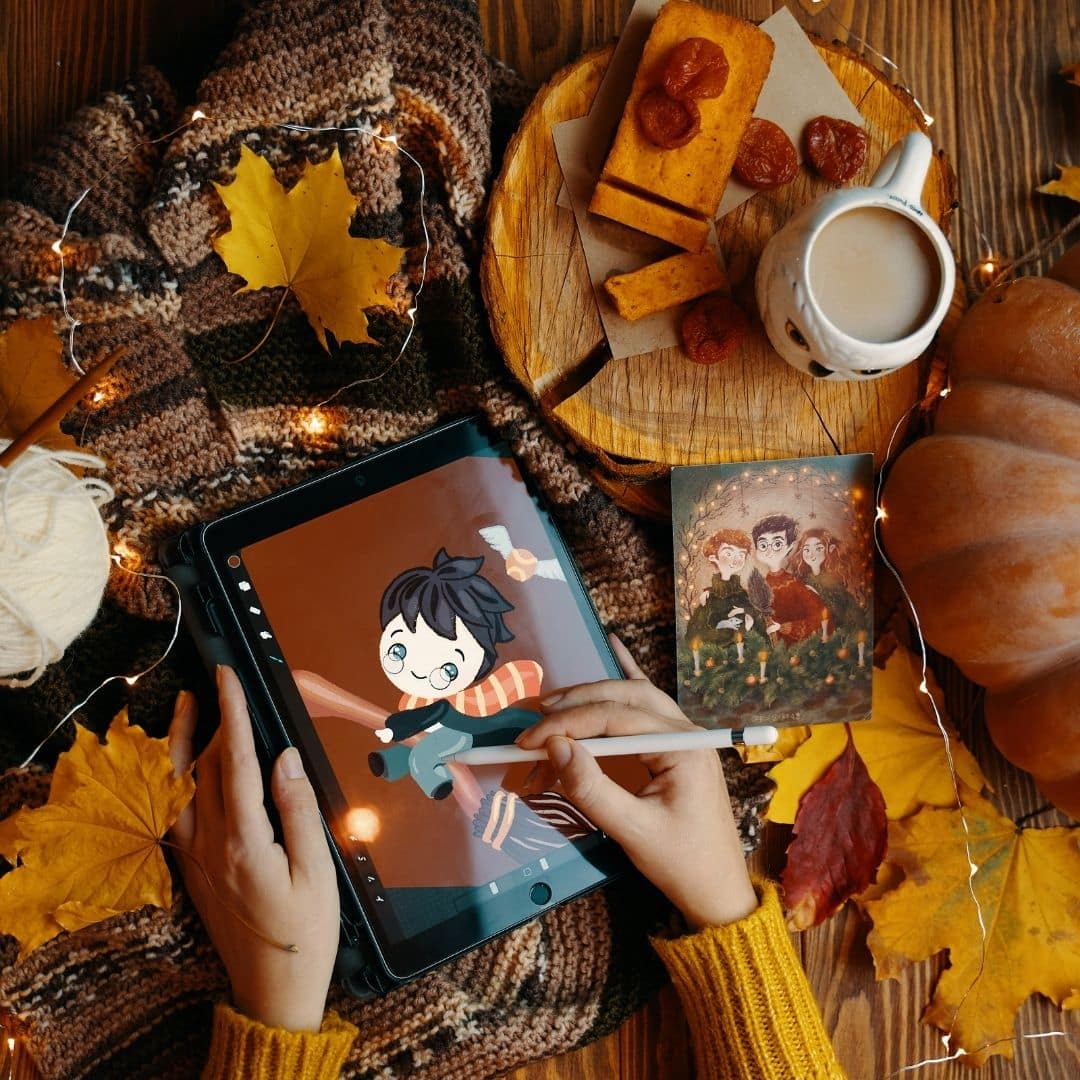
[(131, 680), (97, 397), (923, 687), (198, 114), (56, 247), (881, 515), (363, 823), (123, 553), (946, 391), (928, 119), (314, 422)]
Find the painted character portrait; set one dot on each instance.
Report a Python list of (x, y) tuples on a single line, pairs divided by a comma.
[(794, 611), (441, 626), (821, 562)]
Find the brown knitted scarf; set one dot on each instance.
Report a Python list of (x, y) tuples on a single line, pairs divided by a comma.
[(188, 434)]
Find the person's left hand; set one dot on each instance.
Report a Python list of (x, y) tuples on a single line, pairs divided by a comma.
[(262, 892)]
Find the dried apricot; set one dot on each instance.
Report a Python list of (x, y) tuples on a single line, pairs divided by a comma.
[(713, 329), (695, 68), (766, 157), (665, 122), (836, 148)]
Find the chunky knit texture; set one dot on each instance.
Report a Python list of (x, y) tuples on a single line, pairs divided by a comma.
[(752, 1014), (243, 1047), (751, 1010), (189, 434)]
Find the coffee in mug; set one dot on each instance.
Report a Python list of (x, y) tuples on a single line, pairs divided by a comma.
[(857, 283), (874, 274)]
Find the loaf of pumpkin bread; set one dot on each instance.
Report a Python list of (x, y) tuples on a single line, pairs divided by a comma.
[(673, 193)]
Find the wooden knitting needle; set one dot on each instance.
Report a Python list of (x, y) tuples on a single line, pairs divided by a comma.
[(62, 405)]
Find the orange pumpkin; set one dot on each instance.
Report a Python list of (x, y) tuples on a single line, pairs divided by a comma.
[(983, 522)]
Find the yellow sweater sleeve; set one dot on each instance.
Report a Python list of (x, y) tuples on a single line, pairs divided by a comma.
[(240, 1047), (752, 1013)]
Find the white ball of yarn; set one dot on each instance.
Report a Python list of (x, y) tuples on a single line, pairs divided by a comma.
[(54, 558)]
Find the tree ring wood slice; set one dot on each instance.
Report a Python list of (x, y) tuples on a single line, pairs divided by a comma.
[(642, 414)]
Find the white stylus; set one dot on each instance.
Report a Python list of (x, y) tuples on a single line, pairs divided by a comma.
[(613, 746)]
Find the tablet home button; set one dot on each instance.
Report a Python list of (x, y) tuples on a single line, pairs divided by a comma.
[(540, 894)]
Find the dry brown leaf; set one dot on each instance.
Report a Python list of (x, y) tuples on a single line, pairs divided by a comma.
[(300, 239), (32, 377), (92, 850), (839, 841)]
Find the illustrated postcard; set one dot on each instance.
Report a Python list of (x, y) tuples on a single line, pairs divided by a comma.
[(774, 590)]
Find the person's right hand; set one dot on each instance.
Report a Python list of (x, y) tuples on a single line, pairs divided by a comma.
[(678, 829)]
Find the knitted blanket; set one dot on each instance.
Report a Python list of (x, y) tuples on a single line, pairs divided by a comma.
[(188, 433)]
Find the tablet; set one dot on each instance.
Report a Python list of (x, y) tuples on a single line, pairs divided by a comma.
[(385, 616)]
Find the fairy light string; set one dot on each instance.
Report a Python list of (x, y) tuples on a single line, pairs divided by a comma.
[(988, 271), (990, 268), (881, 515), (314, 421), (131, 679)]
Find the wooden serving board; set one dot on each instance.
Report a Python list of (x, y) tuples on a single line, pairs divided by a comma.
[(642, 414)]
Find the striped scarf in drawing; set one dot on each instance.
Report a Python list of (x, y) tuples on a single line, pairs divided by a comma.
[(505, 686)]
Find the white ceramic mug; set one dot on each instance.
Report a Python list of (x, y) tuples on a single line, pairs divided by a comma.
[(797, 327)]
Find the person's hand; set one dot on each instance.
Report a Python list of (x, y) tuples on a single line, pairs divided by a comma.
[(678, 829), (773, 628), (262, 893)]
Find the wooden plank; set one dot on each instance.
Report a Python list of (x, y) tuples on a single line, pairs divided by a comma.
[(1019, 117)]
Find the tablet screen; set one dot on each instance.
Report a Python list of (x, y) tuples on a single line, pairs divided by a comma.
[(414, 623)]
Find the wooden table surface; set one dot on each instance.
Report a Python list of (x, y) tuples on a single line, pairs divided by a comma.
[(986, 71)]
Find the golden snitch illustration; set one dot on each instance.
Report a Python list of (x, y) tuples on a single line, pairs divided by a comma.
[(521, 564)]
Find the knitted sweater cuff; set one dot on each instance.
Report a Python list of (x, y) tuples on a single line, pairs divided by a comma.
[(750, 1007), (243, 1047)]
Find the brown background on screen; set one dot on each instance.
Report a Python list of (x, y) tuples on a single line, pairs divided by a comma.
[(321, 584)]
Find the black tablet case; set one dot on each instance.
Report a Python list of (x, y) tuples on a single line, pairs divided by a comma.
[(359, 965)]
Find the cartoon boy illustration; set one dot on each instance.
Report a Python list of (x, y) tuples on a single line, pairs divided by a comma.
[(723, 607), (796, 609), (440, 627)]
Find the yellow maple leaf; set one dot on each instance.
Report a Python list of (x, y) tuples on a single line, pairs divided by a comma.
[(901, 746), (300, 239), (1067, 184), (1028, 885), (32, 377), (92, 850)]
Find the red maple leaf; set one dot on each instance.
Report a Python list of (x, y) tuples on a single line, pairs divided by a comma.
[(840, 837)]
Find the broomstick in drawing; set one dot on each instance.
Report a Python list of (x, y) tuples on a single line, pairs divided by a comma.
[(757, 589)]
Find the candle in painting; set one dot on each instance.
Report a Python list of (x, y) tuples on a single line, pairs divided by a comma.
[(739, 646), (860, 638), (763, 657), (695, 648), (824, 625)]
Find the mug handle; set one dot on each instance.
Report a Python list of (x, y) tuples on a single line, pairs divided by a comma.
[(903, 169)]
